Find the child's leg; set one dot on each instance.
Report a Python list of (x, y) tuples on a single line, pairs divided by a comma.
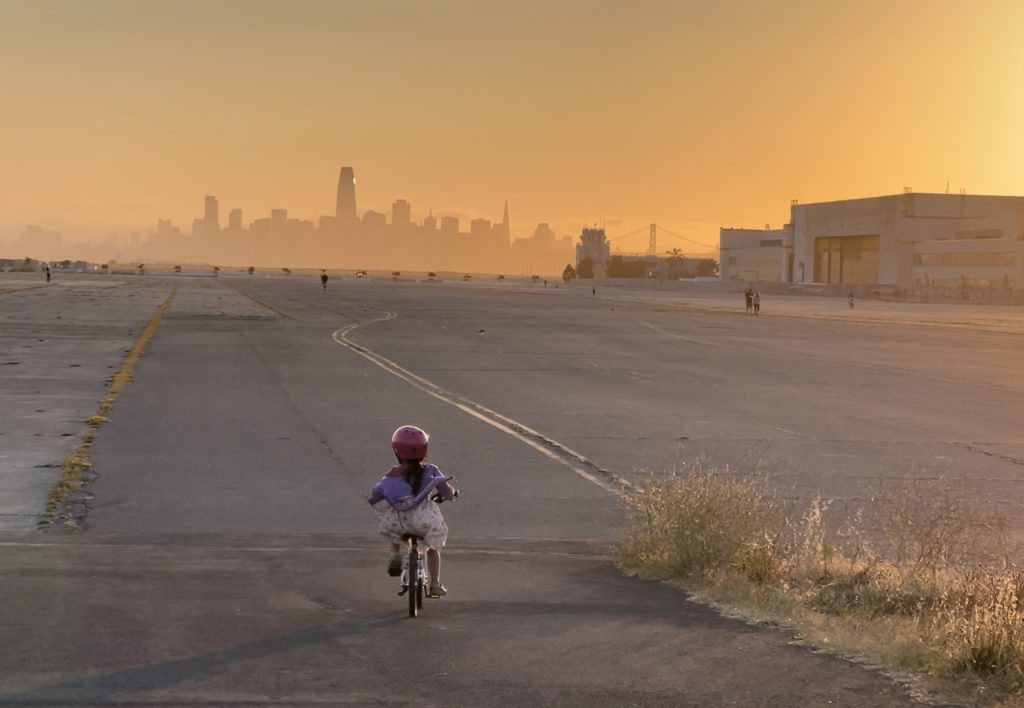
[(434, 564)]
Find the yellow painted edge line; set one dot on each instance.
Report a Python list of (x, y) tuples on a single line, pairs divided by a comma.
[(78, 461), (482, 413)]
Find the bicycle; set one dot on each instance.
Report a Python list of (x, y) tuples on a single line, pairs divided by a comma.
[(415, 568)]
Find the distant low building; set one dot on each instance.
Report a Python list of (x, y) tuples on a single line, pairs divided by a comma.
[(751, 254), (908, 240), (662, 267)]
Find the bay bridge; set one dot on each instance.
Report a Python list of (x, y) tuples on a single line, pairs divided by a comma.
[(652, 241)]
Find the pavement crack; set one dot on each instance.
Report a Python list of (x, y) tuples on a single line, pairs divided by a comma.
[(973, 447)]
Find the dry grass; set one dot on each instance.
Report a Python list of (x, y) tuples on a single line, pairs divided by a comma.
[(925, 586)]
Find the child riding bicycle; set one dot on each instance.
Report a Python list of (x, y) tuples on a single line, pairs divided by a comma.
[(402, 500)]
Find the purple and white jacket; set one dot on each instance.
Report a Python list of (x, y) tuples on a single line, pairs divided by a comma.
[(394, 487)]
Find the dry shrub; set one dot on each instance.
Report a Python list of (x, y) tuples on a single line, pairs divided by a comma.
[(933, 563), (932, 525), (984, 628), (694, 522)]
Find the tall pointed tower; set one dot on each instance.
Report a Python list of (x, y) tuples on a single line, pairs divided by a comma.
[(506, 229), (345, 209)]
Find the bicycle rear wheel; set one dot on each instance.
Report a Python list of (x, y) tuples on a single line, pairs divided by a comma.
[(415, 587), (419, 592)]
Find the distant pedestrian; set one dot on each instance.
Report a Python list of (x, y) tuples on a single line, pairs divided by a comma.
[(323, 280), (545, 282), (748, 295), (850, 298), (757, 302), (46, 269), (593, 291)]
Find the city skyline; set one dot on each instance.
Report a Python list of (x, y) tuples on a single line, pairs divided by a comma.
[(345, 238), (695, 115)]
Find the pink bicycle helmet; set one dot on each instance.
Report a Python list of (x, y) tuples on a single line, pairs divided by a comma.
[(410, 443)]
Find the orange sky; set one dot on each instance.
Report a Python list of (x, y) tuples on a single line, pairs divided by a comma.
[(689, 114)]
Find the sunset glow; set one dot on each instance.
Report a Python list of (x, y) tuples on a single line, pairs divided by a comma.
[(689, 114)]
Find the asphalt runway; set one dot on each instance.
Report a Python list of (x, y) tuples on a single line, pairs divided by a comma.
[(229, 556)]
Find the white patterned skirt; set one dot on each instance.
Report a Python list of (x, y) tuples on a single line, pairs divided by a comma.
[(424, 520)]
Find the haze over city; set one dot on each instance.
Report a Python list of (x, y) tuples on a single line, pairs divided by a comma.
[(693, 115)]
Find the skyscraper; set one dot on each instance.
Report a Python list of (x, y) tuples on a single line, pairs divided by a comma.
[(504, 229), (210, 216), (235, 220), (449, 224), (401, 213), (430, 223), (345, 210)]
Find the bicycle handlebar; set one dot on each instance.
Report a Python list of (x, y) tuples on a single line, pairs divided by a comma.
[(438, 499)]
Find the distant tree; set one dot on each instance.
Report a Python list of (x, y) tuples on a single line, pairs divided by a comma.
[(501, 277), (251, 270), (618, 267), (585, 268), (675, 253), (431, 274), (467, 276), (216, 270), (287, 271), (65, 264), (535, 278), (141, 268), (396, 273), (105, 267), (569, 273), (177, 269)]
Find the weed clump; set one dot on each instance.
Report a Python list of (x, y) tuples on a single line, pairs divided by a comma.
[(919, 578), (699, 524)]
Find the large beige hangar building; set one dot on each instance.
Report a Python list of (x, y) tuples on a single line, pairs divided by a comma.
[(904, 240)]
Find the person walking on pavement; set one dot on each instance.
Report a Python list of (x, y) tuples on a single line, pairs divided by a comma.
[(850, 298), (749, 297), (46, 269), (757, 302), (323, 280)]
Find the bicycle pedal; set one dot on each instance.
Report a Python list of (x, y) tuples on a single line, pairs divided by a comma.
[(403, 591)]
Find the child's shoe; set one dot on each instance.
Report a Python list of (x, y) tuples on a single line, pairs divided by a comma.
[(395, 565), (436, 590)]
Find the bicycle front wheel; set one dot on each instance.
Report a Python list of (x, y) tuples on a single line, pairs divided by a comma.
[(415, 586), (419, 593)]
